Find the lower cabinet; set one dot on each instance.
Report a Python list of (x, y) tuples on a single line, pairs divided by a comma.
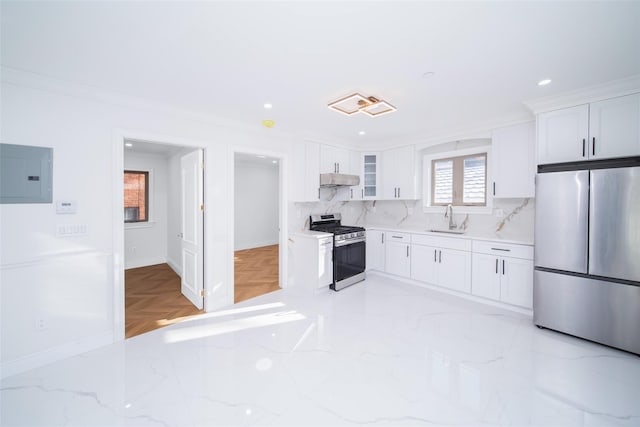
[(441, 261), (488, 269), (398, 254), (312, 260), (375, 250), (503, 273)]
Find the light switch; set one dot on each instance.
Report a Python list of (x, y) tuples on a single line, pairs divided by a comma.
[(66, 207), (71, 230)]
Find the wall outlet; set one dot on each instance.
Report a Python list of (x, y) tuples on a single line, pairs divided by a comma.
[(41, 324), (499, 213)]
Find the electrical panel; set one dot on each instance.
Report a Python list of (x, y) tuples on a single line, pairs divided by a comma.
[(26, 174)]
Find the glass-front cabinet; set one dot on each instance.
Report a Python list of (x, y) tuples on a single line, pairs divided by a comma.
[(371, 175)]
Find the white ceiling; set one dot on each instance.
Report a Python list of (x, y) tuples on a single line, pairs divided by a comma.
[(228, 58)]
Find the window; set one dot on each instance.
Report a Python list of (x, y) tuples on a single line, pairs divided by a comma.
[(136, 196), (459, 181)]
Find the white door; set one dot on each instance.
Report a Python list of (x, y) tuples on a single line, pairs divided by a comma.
[(486, 270), (397, 259), (191, 172), (454, 271), (424, 263), (615, 127), (516, 283), (563, 135), (375, 250)]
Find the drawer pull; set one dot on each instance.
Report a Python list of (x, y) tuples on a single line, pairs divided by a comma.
[(397, 237), (501, 249)]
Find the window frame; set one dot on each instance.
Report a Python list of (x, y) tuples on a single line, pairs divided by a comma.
[(457, 197), (147, 175), (427, 174)]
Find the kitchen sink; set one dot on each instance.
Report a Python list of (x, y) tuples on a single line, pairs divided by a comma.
[(448, 231)]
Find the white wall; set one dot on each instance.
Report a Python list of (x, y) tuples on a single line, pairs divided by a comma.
[(75, 283), (256, 205), (146, 243)]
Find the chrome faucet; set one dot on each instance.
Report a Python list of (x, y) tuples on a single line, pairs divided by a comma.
[(448, 213)]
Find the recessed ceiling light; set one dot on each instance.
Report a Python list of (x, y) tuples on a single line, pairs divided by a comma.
[(544, 82), (128, 144), (362, 132), (274, 161), (268, 106)]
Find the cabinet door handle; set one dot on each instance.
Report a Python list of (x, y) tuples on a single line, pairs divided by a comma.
[(583, 147), (501, 249), (338, 167), (318, 194), (440, 257), (395, 192), (494, 188), (382, 235), (503, 267), (362, 191), (398, 192), (407, 251), (496, 265), (351, 193), (397, 237), (435, 255), (593, 147)]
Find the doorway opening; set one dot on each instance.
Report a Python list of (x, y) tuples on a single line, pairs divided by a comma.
[(163, 235), (257, 203)]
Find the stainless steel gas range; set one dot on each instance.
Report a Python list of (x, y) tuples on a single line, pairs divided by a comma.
[(349, 249)]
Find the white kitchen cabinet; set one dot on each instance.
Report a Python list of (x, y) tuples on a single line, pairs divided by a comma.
[(441, 261), (312, 258), (399, 179), (353, 192), (371, 176), (334, 160), (375, 258), (503, 272), (513, 161), (398, 254), (614, 127), (600, 130), (563, 135), (305, 183)]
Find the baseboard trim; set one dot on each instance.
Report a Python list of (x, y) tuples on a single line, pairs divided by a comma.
[(175, 267), (469, 297), (144, 263), (36, 360)]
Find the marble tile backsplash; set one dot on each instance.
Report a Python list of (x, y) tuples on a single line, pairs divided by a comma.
[(516, 223)]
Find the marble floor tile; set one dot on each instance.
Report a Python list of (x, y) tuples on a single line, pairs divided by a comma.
[(381, 353)]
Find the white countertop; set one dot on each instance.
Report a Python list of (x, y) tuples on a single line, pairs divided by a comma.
[(469, 235), (310, 234)]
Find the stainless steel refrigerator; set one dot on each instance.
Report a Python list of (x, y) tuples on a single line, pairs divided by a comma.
[(587, 251)]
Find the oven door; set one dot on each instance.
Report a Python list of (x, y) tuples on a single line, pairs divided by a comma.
[(348, 263)]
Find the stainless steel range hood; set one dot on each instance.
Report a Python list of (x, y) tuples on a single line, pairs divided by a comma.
[(338, 180)]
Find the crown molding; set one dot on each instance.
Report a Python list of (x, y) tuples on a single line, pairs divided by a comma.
[(612, 89), (36, 81)]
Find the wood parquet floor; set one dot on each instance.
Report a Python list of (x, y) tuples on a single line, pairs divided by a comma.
[(256, 272), (153, 299)]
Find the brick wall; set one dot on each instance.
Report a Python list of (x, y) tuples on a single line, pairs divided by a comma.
[(134, 193)]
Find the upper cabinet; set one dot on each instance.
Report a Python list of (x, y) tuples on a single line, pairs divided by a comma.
[(399, 179), (305, 185), (335, 160), (513, 164), (614, 127), (370, 177), (600, 130)]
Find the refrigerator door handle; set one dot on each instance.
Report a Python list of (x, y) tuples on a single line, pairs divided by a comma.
[(593, 147), (584, 143)]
